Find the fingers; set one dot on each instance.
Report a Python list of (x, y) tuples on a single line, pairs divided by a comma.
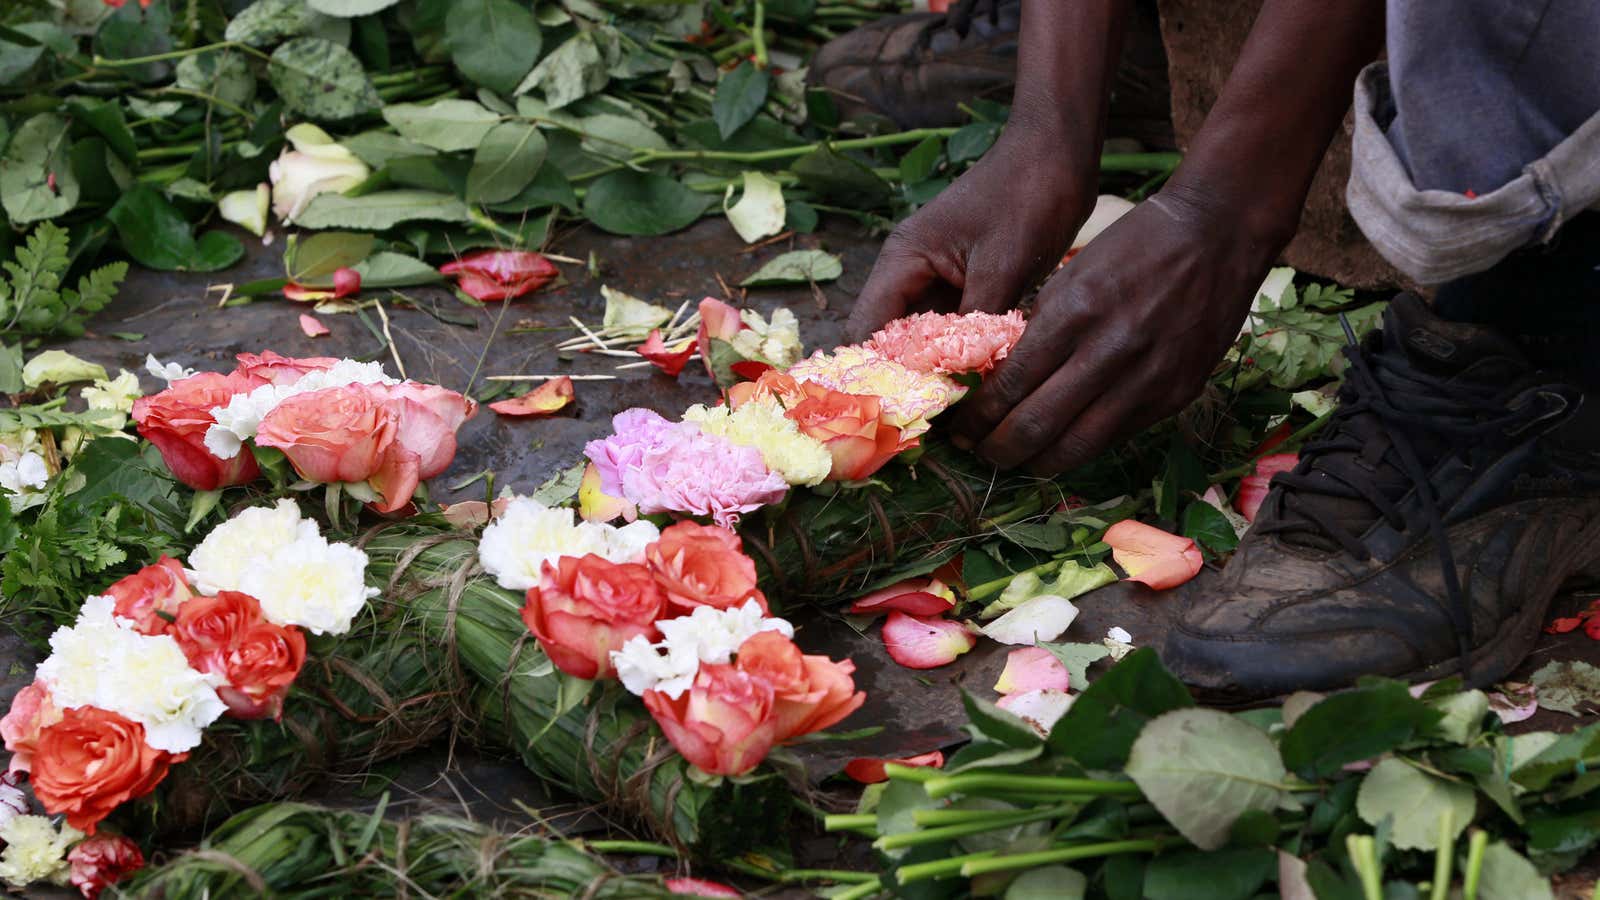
[(993, 288), (1046, 343), (899, 277), (1049, 412), (1104, 420)]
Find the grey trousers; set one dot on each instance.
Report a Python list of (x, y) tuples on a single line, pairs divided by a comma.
[(1480, 135)]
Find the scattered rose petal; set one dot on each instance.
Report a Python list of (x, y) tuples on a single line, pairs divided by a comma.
[(547, 398), (749, 369), (1032, 669), (668, 360), (1119, 642), (501, 274), (914, 596), (1563, 625), (1039, 709), (869, 770), (700, 887), (312, 327), (346, 283), (925, 643), (595, 505), (1043, 618), (1514, 702), (1253, 488), (1152, 556)]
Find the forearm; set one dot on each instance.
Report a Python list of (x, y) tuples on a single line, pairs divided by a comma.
[(1066, 56), (1254, 158)]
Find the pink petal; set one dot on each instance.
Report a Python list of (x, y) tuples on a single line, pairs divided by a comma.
[(667, 359), (1032, 669), (1253, 488), (1515, 703), (925, 643), (1040, 709), (346, 281), (915, 596), (312, 327), (700, 887), (547, 398), (869, 770), (1155, 557)]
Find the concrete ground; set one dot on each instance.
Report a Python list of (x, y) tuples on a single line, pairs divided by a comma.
[(181, 323)]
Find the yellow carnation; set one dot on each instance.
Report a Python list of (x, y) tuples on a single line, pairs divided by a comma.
[(800, 459)]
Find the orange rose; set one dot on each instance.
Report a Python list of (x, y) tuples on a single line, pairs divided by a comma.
[(32, 710), (347, 434), (226, 635), (586, 607), (703, 565), (276, 369), (724, 724), (772, 385), (101, 861), (151, 597), (93, 761), (208, 626), (852, 427), (810, 692), (176, 420)]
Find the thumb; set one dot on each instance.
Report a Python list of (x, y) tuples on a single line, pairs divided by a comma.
[(993, 285), (898, 279)]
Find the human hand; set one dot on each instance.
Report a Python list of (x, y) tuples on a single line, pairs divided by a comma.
[(1124, 336), (985, 239)]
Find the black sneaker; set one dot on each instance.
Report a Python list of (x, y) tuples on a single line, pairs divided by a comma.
[(1423, 533), (919, 69)]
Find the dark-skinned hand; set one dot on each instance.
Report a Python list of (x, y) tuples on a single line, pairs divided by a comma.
[(1123, 336), (983, 241)]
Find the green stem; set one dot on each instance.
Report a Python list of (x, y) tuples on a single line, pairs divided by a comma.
[(977, 782), (792, 876), (420, 74), (484, 221), (920, 774), (1292, 440), (849, 821), (1443, 857), (1060, 855), (861, 891), (643, 847), (988, 588), (210, 98), (180, 54), (758, 37), (1474, 870), (943, 868), (948, 832), (732, 50), (1032, 505), (1364, 857)]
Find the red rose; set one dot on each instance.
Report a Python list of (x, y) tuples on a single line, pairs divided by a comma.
[(584, 608), (810, 693), (176, 420), (226, 635), (207, 627), (703, 565), (152, 596), (101, 861), (93, 761)]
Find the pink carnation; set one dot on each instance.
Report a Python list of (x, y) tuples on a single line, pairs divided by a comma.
[(907, 397), (949, 344), (663, 467)]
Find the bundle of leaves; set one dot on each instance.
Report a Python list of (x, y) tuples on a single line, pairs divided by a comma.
[(1138, 792), (296, 850)]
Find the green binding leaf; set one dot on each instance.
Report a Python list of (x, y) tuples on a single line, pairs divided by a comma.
[(1413, 802), (640, 203), (505, 163), (381, 211), (156, 234), (36, 177), (1100, 728), (447, 125), (1352, 726)]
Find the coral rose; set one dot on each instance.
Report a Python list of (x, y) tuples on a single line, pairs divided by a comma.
[(152, 596), (772, 386), (724, 724), (585, 607), (429, 417), (101, 861), (810, 693), (346, 434), (227, 635), (274, 368), (703, 565), (93, 761), (32, 710), (207, 626), (852, 428), (176, 420)]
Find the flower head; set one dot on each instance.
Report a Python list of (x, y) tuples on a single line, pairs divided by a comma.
[(703, 565), (527, 534), (317, 585), (249, 539), (35, 850), (908, 397), (101, 861), (93, 761), (587, 607), (949, 343), (800, 459), (723, 725), (316, 165)]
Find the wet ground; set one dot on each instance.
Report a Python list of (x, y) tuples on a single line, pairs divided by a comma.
[(180, 321)]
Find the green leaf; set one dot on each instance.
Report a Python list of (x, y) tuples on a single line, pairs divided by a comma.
[(11, 369), (640, 204), (571, 72), (1554, 757), (1233, 874), (796, 267), (505, 163), (382, 210), (920, 162), (1208, 527), (385, 269), (996, 724), (36, 177), (548, 188), (838, 177), (266, 22), (1203, 769), (1413, 801), (1100, 728), (223, 75), (349, 9), (801, 217), (311, 257), (740, 95), (493, 42), (156, 234), (1077, 658), (447, 125), (1352, 726), (105, 116), (1506, 875), (132, 32), (1048, 883), (378, 148), (972, 141), (618, 137), (1566, 685), (321, 80)]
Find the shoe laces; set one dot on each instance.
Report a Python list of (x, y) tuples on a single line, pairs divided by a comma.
[(1393, 414)]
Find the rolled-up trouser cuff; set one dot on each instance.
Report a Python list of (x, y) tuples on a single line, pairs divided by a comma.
[(1435, 236)]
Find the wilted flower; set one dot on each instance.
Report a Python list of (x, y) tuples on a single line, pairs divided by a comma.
[(316, 165)]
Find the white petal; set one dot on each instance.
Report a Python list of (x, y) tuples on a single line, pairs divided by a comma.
[(1043, 618)]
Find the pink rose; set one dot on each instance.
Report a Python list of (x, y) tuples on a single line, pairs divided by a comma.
[(586, 607), (429, 417), (724, 724), (176, 420), (347, 434), (703, 565), (101, 861), (151, 597), (810, 693), (32, 711), (272, 368)]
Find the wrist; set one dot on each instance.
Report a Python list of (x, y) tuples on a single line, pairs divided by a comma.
[(1261, 216)]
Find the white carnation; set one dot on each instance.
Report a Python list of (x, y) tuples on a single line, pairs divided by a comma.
[(13, 801), (27, 474), (168, 372), (318, 586), (102, 661), (35, 851), (246, 541), (642, 666), (515, 547), (714, 635)]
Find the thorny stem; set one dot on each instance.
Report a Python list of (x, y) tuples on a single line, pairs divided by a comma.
[(758, 37)]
